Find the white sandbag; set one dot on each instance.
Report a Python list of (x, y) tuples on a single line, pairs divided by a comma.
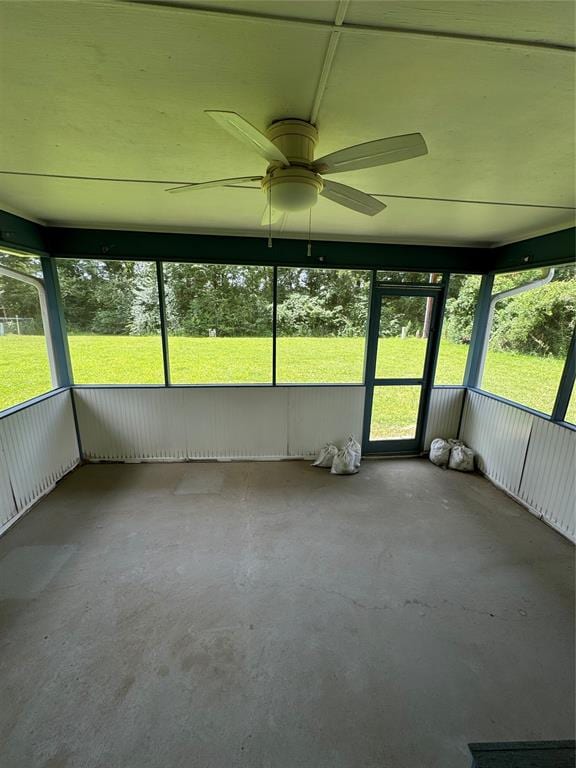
[(440, 452), (356, 449), (326, 456), (344, 462), (461, 458)]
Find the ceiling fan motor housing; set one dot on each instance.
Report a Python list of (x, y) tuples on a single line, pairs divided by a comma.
[(296, 140), (295, 188)]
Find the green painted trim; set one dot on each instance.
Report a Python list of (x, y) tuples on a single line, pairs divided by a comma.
[(274, 323), (150, 246), (567, 381), (163, 325), (57, 323), (19, 234), (545, 251), (473, 372)]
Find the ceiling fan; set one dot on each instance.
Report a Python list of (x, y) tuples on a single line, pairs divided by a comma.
[(294, 179)]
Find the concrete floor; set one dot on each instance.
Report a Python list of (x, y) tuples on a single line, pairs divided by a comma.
[(270, 614)]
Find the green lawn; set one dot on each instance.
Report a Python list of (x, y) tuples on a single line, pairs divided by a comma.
[(138, 360)]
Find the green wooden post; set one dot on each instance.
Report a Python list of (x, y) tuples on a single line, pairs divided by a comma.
[(57, 325)]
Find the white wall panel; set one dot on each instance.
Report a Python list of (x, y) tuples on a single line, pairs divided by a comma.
[(226, 422), (444, 413), (318, 415), (499, 434), (548, 483), (129, 423), (39, 446), (120, 424), (7, 503)]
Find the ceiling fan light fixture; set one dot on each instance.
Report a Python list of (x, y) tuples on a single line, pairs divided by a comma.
[(292, 189)]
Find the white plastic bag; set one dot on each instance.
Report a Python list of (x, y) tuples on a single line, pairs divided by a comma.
[(461, 458), (440, 452), (326, 456), (344, 462), (356, 449)]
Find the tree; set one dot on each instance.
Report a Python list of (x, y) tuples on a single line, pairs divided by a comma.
[(120, 297), (97, 295), (460, 307), (144, 311), (336, 301), (538, 322), (19, 299), (303, 315), (227, 299)]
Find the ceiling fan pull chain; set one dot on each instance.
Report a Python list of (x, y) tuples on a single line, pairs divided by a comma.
[(309, 249), (270, 217)]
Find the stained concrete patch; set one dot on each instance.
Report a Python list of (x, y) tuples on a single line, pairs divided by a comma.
[(25, 572), (201, 478)]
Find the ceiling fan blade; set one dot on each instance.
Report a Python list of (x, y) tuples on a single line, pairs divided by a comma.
[(277, 217), (352, 198), (216, 183), (244, 131), (373, 153)]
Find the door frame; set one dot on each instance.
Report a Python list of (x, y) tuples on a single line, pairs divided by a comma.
[(437, 291)]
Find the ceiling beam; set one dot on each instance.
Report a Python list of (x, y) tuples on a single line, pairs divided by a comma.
[(221, 249), (328, 60), (355, 29), (21, 235), (544, 251)]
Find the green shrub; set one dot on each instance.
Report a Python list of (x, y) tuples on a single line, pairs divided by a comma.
[(460, 309), (538, 322)]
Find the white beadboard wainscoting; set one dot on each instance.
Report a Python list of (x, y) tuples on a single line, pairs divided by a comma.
[(444, 413), (179, 423), (182, 423), (7, 501), (528, 456), (548, 482), (499, 434), (39, 446)]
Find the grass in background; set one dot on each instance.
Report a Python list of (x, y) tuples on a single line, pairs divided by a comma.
[(24, 370)]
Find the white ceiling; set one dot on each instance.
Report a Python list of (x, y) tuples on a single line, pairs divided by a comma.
[(117, 90)]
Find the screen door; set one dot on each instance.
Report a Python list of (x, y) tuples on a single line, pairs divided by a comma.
[(402, 345)]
